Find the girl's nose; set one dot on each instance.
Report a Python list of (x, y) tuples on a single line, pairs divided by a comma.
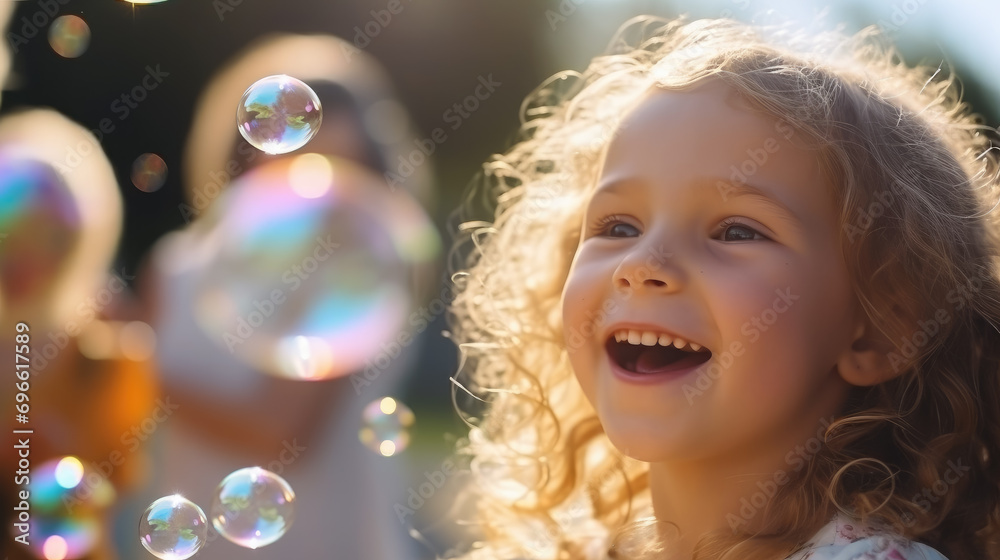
[(649, 268)]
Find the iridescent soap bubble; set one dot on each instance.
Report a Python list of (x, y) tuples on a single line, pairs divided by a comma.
[(173, 528), (68, 504), (149, 172), (69, 36), (385, 426), (279, 114), (308, 268), (253, 507)]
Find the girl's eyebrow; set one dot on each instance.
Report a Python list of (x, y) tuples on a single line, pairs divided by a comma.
[(729, 189)]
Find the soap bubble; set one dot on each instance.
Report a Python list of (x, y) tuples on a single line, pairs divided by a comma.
[(386, 422), (308, 268), (279, 114), (68, 502), (69, 36), (253, 507), (173, 528), (149, 172)]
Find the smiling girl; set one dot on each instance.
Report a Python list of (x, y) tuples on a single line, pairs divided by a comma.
[(715, 313)]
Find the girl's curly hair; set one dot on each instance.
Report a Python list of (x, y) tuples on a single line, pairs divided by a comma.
[(916, 178)]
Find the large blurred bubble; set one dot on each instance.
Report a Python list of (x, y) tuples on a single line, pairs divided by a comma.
[(308, 266)]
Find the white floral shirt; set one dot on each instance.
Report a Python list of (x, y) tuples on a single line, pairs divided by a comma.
[(843, 539)]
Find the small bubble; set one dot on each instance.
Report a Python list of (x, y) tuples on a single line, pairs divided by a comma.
[(149, 173), (253, 507), (386, 424), (173, 528), (69, 36), (279, 114)]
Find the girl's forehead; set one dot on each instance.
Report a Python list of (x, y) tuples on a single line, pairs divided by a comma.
[(709, 114), (709, 140)]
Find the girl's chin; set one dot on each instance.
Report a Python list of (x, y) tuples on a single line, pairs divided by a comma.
[(649, 449)]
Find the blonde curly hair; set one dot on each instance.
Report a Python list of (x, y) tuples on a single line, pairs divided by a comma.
[(916, 179)]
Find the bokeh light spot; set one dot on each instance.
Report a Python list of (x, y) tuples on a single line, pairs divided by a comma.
[(149, 172), (69, 472), (69, 36)]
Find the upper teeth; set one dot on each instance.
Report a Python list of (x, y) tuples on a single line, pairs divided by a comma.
[(650, 338)]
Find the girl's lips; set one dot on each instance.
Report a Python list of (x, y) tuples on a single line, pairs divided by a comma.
[(674, 371)]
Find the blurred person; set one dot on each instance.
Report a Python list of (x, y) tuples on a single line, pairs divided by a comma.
[(6, 10), (231, 414), (90, 382)]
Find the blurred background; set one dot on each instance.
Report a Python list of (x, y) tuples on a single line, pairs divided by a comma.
[(141, 78)]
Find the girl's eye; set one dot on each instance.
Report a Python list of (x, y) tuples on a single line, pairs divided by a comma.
[(734, 230), (614, 226)]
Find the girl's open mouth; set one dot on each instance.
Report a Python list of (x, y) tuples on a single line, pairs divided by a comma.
[(640, 359)]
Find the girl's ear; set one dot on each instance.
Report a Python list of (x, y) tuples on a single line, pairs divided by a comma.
[(867, 362)]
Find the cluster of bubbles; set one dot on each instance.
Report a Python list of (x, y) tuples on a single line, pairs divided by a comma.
[(252, 507), (68, 501)]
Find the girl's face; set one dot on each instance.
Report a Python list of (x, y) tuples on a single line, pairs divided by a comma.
[(711, 223)]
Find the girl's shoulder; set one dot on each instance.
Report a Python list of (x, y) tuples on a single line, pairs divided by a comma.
[(844, 539)]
